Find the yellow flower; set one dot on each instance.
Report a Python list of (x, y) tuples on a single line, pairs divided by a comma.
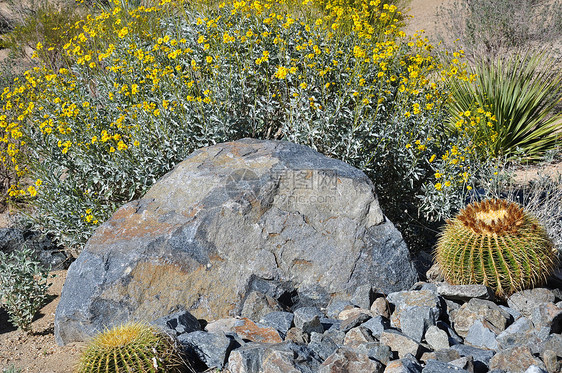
[(226, 38), (438, 186), (39, 182), (32, 191), (281, 72), (209, 59), (124, 31), (121, 146)]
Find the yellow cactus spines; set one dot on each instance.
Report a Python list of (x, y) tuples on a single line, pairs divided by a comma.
[(132, 347), (498, 244)]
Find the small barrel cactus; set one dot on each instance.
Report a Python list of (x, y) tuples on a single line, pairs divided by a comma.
[(498, 244), (132, 347)]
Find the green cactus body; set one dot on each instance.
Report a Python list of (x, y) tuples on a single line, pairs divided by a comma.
[(498, 244), (133, 347)]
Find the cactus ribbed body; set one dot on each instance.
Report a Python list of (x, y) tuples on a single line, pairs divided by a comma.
[(133, 347), (498, 244)]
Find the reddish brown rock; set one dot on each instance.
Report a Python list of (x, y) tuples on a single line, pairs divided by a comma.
[(255, 333)]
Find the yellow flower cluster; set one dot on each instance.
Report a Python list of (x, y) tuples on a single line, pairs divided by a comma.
[(140, 79), (475, 129)]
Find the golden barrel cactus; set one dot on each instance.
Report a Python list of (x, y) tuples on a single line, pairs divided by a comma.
[(132, 347), (498, 244)]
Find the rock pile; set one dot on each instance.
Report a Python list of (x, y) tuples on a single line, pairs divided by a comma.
[(432, 328)]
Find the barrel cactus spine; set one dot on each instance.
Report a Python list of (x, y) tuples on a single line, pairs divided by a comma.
[(131, 347), (498, 244)]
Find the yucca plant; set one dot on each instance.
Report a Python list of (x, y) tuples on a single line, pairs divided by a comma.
[(522, 92), (132, 347), (498, 244)]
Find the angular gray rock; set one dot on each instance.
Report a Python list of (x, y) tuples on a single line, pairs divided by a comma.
[(415, 311), (520, 333), (178, 323), (357, 336), (465, 362), (481, 357), (362, 296), (446, 355), (376, 351), (225, 325), (258, 304), (308, 319), (232, 218), (434, 366), (526, 300), (414, 321), (515, 360), (401, 343), (547, 315), (464, 292), (554, 343), (210, 348), (490, 314), (345, 359), (454, 338), (247, 359), (353, 321), (281, 321), (268, 358), (408, 299), (323, 345), (480, 336), (377, 325), (335, 307), (436, 338)]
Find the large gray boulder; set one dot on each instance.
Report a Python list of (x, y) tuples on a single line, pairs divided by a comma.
[(238, 217)]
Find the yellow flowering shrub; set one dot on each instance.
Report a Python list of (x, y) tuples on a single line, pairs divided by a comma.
[(146, 86), (463, 166)]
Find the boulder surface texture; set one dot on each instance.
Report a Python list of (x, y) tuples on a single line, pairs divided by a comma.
[(234, 218)]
